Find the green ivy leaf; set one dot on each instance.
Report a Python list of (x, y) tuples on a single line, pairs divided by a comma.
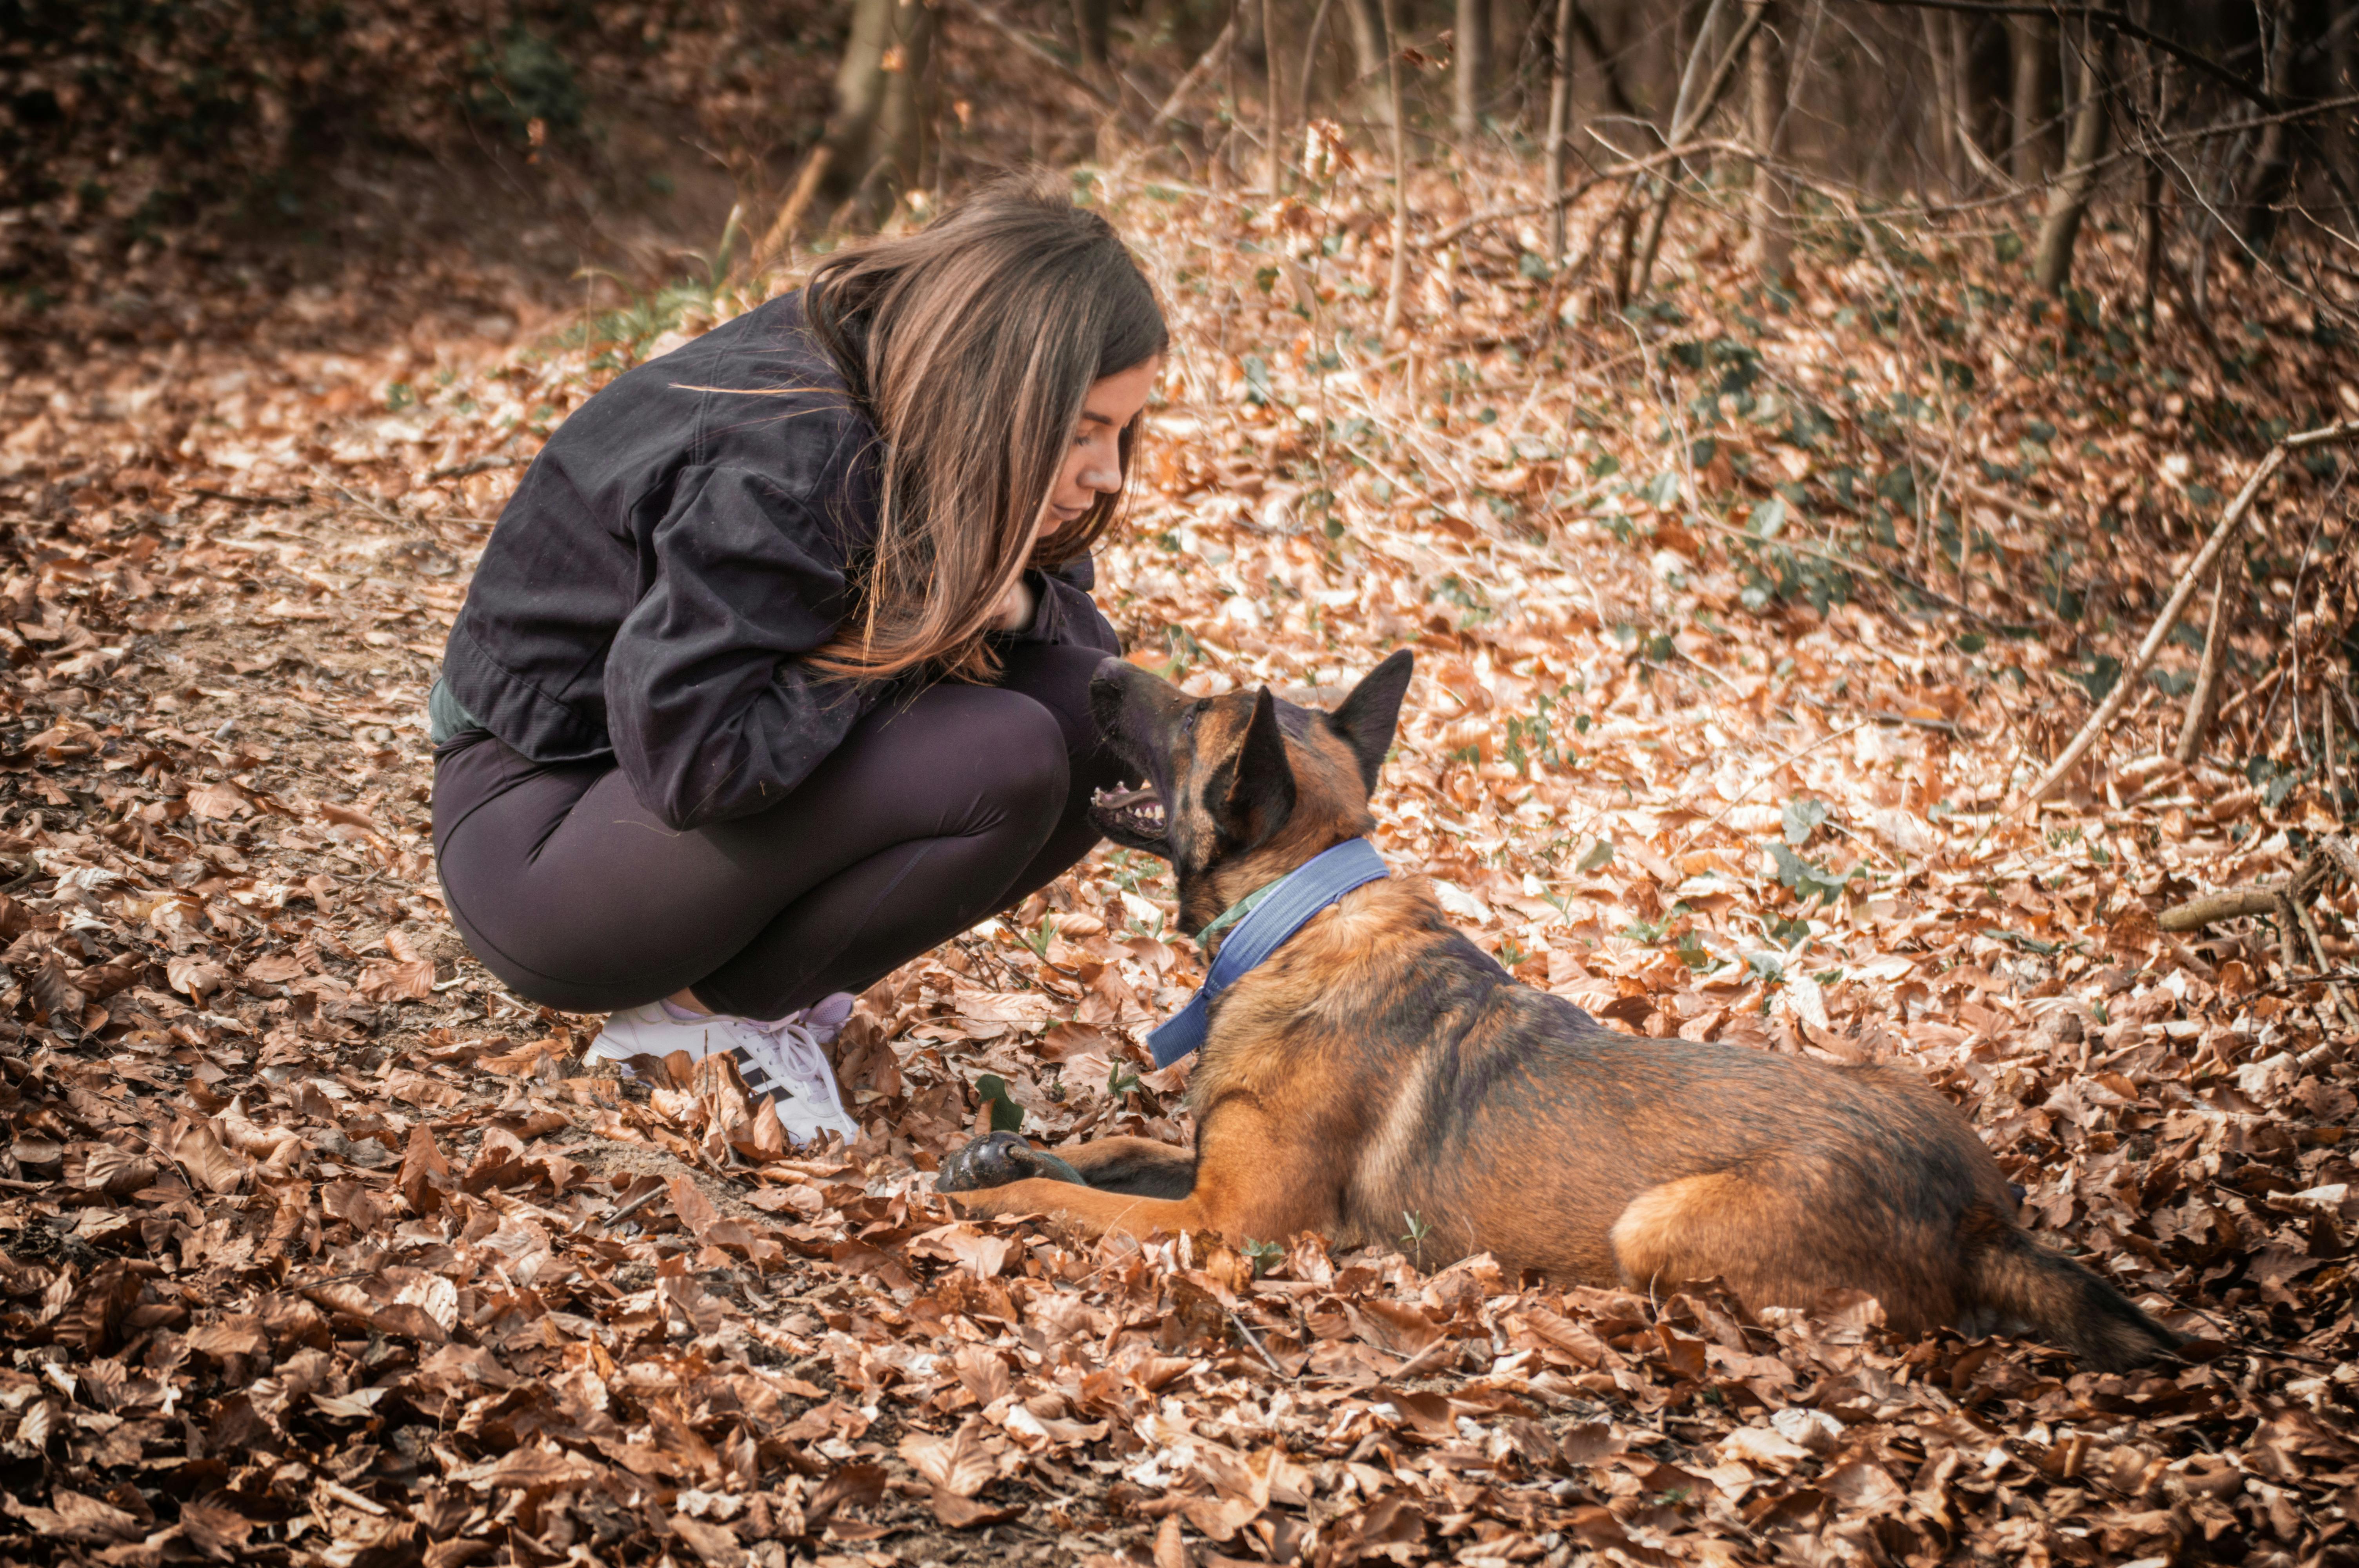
[(1801, 818), (1806, 878)]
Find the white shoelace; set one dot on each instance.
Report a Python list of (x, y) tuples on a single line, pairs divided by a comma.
[(794, 1063)]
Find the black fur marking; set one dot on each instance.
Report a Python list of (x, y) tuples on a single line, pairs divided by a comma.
[(1145, 1178), (1262, 794), (1365, 719)]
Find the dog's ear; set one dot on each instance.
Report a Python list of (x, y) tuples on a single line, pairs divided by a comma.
[(1261, 790), (1365, 719)]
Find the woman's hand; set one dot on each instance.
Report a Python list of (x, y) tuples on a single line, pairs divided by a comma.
[(1016, 608)]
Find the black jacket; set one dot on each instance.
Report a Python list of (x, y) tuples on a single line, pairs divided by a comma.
[(674, 547)]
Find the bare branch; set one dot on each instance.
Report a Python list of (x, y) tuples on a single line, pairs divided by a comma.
[(2249, 90), (2118, 699)]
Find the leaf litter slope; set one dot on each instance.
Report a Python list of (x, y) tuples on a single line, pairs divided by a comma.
[(319, 1248)]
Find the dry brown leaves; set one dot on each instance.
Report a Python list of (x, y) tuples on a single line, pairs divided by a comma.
[(316, 1248)]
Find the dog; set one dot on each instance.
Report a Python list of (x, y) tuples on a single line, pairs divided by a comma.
[(1378, 1071)]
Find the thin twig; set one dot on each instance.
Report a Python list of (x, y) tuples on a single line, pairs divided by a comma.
[(2295, 981), (624, 1211), (371, 507), (1255, 1340), (244, 499)]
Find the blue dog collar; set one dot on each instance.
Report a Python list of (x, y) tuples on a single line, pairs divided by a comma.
[(1286, 908)]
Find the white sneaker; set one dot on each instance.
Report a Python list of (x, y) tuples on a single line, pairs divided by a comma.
[(780, 1059)]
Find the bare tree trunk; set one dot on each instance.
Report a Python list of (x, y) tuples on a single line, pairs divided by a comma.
[(1609, 69), (2068, 201), (909, 101), (1625, 256), (860, 76), (1091, 18), (1223, 153), (1472, 46), (1559, 125), (1966, 108), (1310, 60), (2032, 41), (2150, 239), (1398, 285), (1945, 95), (1770, 245), (839, 166), (1274, 119), (2342, 69), (2271, 158), (2151, 243), (1689, 110), (1368, 36)]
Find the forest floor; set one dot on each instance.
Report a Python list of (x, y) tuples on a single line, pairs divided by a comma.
[(316, 1246)]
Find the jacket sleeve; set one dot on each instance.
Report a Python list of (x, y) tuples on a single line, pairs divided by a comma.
[(712, 718), (1065, 612)]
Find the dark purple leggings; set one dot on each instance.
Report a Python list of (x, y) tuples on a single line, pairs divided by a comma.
[(930, 816)]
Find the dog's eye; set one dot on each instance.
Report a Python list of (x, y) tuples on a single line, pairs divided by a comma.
[(1188, 725)]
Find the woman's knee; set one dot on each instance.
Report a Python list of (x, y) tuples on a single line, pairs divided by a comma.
[(988, 762), (1026, 769)]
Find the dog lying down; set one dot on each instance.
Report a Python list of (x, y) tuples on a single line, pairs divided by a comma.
[(1378, 1065)]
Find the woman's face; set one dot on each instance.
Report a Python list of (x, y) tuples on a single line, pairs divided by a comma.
[(1092, 464)]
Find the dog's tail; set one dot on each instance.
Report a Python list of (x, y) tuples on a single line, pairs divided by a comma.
[(2014, 1285)]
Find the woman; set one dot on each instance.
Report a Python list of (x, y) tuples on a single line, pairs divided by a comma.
[(774, 673)]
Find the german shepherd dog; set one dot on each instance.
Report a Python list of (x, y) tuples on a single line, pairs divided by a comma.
[(1379, 1065)]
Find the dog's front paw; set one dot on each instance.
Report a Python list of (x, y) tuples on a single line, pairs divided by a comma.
[(997, 1159)]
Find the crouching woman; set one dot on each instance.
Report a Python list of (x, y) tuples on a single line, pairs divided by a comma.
[(774, 672)]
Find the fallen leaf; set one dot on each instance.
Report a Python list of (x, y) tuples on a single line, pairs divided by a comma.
[(960, 1464)]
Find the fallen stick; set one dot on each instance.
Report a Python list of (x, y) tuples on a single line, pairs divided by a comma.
[(2134, 671), (2294, 982), (2270, 898), (797, 202), (2198, 912)]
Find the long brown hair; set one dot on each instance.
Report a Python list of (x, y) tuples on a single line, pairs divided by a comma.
[(972, 345)]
